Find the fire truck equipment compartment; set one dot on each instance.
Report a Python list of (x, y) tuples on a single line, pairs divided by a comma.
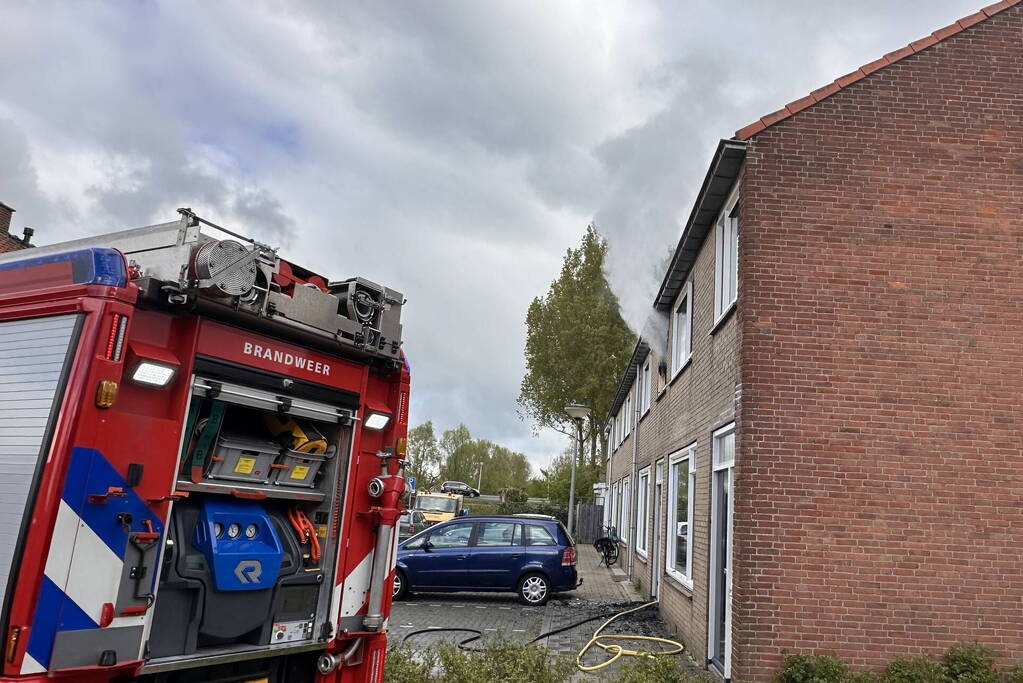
[(299, 469), (240, 544), (193, 614), (240, 458)]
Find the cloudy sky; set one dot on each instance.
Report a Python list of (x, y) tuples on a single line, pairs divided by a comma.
[(451, 150)]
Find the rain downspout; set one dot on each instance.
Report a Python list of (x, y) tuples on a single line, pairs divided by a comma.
[(633, 484)]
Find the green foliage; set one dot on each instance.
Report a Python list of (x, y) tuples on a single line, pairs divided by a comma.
[(463, 457), (1014, 675), (404, 665), (813, 669), (963, 663), (533, 509), (661, 670), (479, 509), (914, 670), (559, 476), (499, 660), (514, 495), (423, 459), (577, 344), (537, 488), (970, 663), (505, 661)]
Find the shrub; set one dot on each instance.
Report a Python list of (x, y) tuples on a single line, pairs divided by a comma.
[(813, 669), (970, 663), (404, 665), (1014, 675), (504, 661), (914, 670), (660, 670)]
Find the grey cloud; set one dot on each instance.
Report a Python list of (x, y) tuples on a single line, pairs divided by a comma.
[(452, 150)]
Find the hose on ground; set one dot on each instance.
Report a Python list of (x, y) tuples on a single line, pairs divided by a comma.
[(614, 650), (617, 651)]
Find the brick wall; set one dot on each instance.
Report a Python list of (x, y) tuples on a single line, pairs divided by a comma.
[(692, 405), (7, 242), (879, 496)]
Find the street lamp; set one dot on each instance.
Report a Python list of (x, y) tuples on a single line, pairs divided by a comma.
[(577, 413)]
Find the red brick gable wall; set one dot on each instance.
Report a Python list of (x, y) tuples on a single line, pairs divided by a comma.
[(8, 243), (879, 493)]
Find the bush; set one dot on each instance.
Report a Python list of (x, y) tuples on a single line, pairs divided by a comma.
[(403, 665), (504, 661), (914, 670), (500, 660), (482, 509), (970, 663), (1014, 675), (660, 670), (533, 509), (813, 669)]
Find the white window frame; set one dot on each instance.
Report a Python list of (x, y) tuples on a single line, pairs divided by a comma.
[(685, 576), (726, 264), (623, 532), (628, 413), (682, 339), (643, 512), (645, 387), (719, 434)]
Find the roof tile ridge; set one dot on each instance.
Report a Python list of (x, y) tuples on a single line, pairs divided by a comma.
[(838, 84)]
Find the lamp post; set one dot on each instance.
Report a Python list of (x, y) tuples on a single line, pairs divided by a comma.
[(577, 413)]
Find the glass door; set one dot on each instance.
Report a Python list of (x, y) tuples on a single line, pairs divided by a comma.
[(722, 504)]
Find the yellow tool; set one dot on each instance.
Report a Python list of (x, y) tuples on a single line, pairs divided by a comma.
[(302, 438), (617, 651)]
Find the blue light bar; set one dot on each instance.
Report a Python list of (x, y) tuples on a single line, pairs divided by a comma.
[(94, 266)]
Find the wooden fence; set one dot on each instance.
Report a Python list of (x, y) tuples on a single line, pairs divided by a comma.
[(589, 519)]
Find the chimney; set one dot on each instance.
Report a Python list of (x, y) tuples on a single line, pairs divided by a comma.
[(6, 213)]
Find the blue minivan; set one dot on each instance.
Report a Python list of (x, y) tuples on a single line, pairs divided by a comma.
[(532, 555)]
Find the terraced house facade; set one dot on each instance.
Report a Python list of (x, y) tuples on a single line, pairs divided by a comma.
[(823, 451)]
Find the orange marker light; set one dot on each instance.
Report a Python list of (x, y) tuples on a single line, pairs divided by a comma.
[(106, 393)]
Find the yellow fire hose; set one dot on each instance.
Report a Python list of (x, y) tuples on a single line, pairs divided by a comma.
[(617, 651)]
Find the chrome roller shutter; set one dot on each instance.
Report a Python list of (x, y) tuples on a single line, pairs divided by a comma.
[(35, 355)]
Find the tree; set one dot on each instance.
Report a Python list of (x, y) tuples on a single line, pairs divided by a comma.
[(558, 478), (423, 459), (577, 345)]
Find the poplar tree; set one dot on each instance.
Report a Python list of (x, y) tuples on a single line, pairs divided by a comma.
[(577, 345)]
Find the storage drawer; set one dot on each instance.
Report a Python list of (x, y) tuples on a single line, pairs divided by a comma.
[(298, 469), (238, 458)]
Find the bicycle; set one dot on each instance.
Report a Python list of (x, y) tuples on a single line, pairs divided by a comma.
[(607, 546)]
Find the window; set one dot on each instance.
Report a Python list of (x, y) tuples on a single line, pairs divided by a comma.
[(496, 534), (618, 506), (643, 388), (628, 414), (682, 329), (537, 535), (623, 530), (724, 446), (726, 264), (642, 511), (681, 487), (454, 536)]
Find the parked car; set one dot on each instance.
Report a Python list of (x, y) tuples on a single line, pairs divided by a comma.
[(532, 557), (410, 524), (459, 487)]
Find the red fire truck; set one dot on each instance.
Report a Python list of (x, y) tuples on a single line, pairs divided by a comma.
[(201, 462)]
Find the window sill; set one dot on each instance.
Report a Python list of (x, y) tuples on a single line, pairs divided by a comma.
[(682, 369), (722, 319), (641, 554), (683, 588)]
